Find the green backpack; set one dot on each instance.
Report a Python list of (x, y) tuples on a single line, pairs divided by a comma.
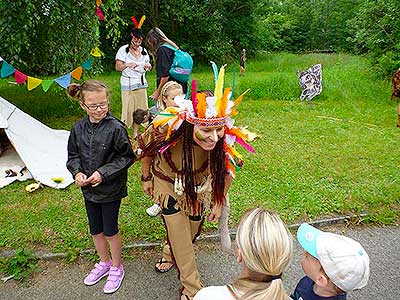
[(182, 64)]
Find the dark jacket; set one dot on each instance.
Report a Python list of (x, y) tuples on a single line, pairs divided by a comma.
[(104, 147)]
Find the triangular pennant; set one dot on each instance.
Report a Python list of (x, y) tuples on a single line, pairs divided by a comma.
[(1, 59), (96, 52), (33, 82), (64, 81), (77, 73), (98, 3), (6, 69), (20, 77), (100, 13), (87, 65), (46, 84)]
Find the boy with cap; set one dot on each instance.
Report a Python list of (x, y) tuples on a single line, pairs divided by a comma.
[(333, 264)]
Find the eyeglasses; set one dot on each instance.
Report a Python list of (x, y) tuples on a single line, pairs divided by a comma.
[(96, 106)]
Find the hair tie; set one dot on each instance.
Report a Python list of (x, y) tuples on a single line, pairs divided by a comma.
[(273, 277)]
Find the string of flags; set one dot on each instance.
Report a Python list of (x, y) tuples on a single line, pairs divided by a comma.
[(33, 82), (64, 80)]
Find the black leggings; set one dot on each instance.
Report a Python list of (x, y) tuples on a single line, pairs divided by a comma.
[(103, 217)]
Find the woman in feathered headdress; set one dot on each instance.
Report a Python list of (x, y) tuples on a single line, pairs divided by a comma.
[(188, 163), (132, 60)]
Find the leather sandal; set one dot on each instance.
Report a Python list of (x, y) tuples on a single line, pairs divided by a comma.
[(160, 262)]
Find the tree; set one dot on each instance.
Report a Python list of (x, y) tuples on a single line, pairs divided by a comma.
[(45, 37)]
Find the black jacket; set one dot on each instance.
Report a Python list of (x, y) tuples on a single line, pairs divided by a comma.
[(104, 147)]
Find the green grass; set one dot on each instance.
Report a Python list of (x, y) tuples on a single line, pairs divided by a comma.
[(336, 155)]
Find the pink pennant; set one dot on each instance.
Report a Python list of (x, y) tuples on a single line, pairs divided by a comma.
[(99, 13), (246, 146), (20, 77)]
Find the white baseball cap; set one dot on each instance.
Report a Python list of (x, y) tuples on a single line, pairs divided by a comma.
[(344, 260)]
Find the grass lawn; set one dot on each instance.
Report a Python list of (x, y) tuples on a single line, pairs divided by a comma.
[(335, 155)]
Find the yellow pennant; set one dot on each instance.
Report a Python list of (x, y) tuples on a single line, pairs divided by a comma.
[(96, 52), (33, 82), (77, 73), (98, 3)]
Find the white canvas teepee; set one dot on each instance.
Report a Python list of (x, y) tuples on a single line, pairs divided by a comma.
[(41, 149)]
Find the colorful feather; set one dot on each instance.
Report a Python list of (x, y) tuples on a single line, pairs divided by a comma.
[(238, 133), (194, 92), (245, 145), (201, 105), (233, 83), (240, 98), (135, 22), (224, 103), (215, 69), (141, 21), (219, 86)]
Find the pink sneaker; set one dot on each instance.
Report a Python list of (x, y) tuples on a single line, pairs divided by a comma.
[(100, 270), (114, 279)]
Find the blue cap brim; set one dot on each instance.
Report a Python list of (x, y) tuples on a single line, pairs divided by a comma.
[(307, 236)]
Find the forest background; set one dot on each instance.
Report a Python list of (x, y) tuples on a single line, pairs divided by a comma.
[(33, 40)]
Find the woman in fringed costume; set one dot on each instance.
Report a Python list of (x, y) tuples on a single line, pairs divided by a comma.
[(188, 163)]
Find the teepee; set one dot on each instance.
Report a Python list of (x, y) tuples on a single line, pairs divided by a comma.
[(35, 150)]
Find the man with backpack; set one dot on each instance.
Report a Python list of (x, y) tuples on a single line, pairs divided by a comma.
[(171, 62)]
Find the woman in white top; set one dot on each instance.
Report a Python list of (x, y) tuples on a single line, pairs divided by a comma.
[(133, 61), (264, 249)]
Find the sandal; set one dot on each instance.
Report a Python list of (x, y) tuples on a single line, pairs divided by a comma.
[(160, 262)]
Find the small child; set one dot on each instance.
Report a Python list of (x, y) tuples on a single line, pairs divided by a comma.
[(333, 264), (99, 155), (140, 116), (168, 93)]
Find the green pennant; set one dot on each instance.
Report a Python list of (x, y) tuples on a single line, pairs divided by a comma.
[(46, 84)]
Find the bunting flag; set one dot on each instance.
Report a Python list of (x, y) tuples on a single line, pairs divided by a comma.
[(20, 77), (46, 84), (99, 13), (98, 2), (33, 82), (96, 52), (77, 73), (64, 81), (87, 65), (6, 69), (1, 59)]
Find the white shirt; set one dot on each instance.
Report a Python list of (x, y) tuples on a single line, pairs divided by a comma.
[(131, 79), (214, 293)]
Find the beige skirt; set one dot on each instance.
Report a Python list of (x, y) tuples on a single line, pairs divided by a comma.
[(131, 101)]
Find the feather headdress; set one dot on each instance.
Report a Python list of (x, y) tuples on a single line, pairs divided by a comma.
[(209, 111), (139, 24)]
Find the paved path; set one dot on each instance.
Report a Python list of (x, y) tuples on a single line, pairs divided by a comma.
[(60, 281)]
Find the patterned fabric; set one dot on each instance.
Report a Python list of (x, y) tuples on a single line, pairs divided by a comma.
[(310, 82), (396, 84)]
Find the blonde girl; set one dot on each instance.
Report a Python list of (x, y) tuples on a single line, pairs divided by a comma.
[(264, 249), (168, 93)]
